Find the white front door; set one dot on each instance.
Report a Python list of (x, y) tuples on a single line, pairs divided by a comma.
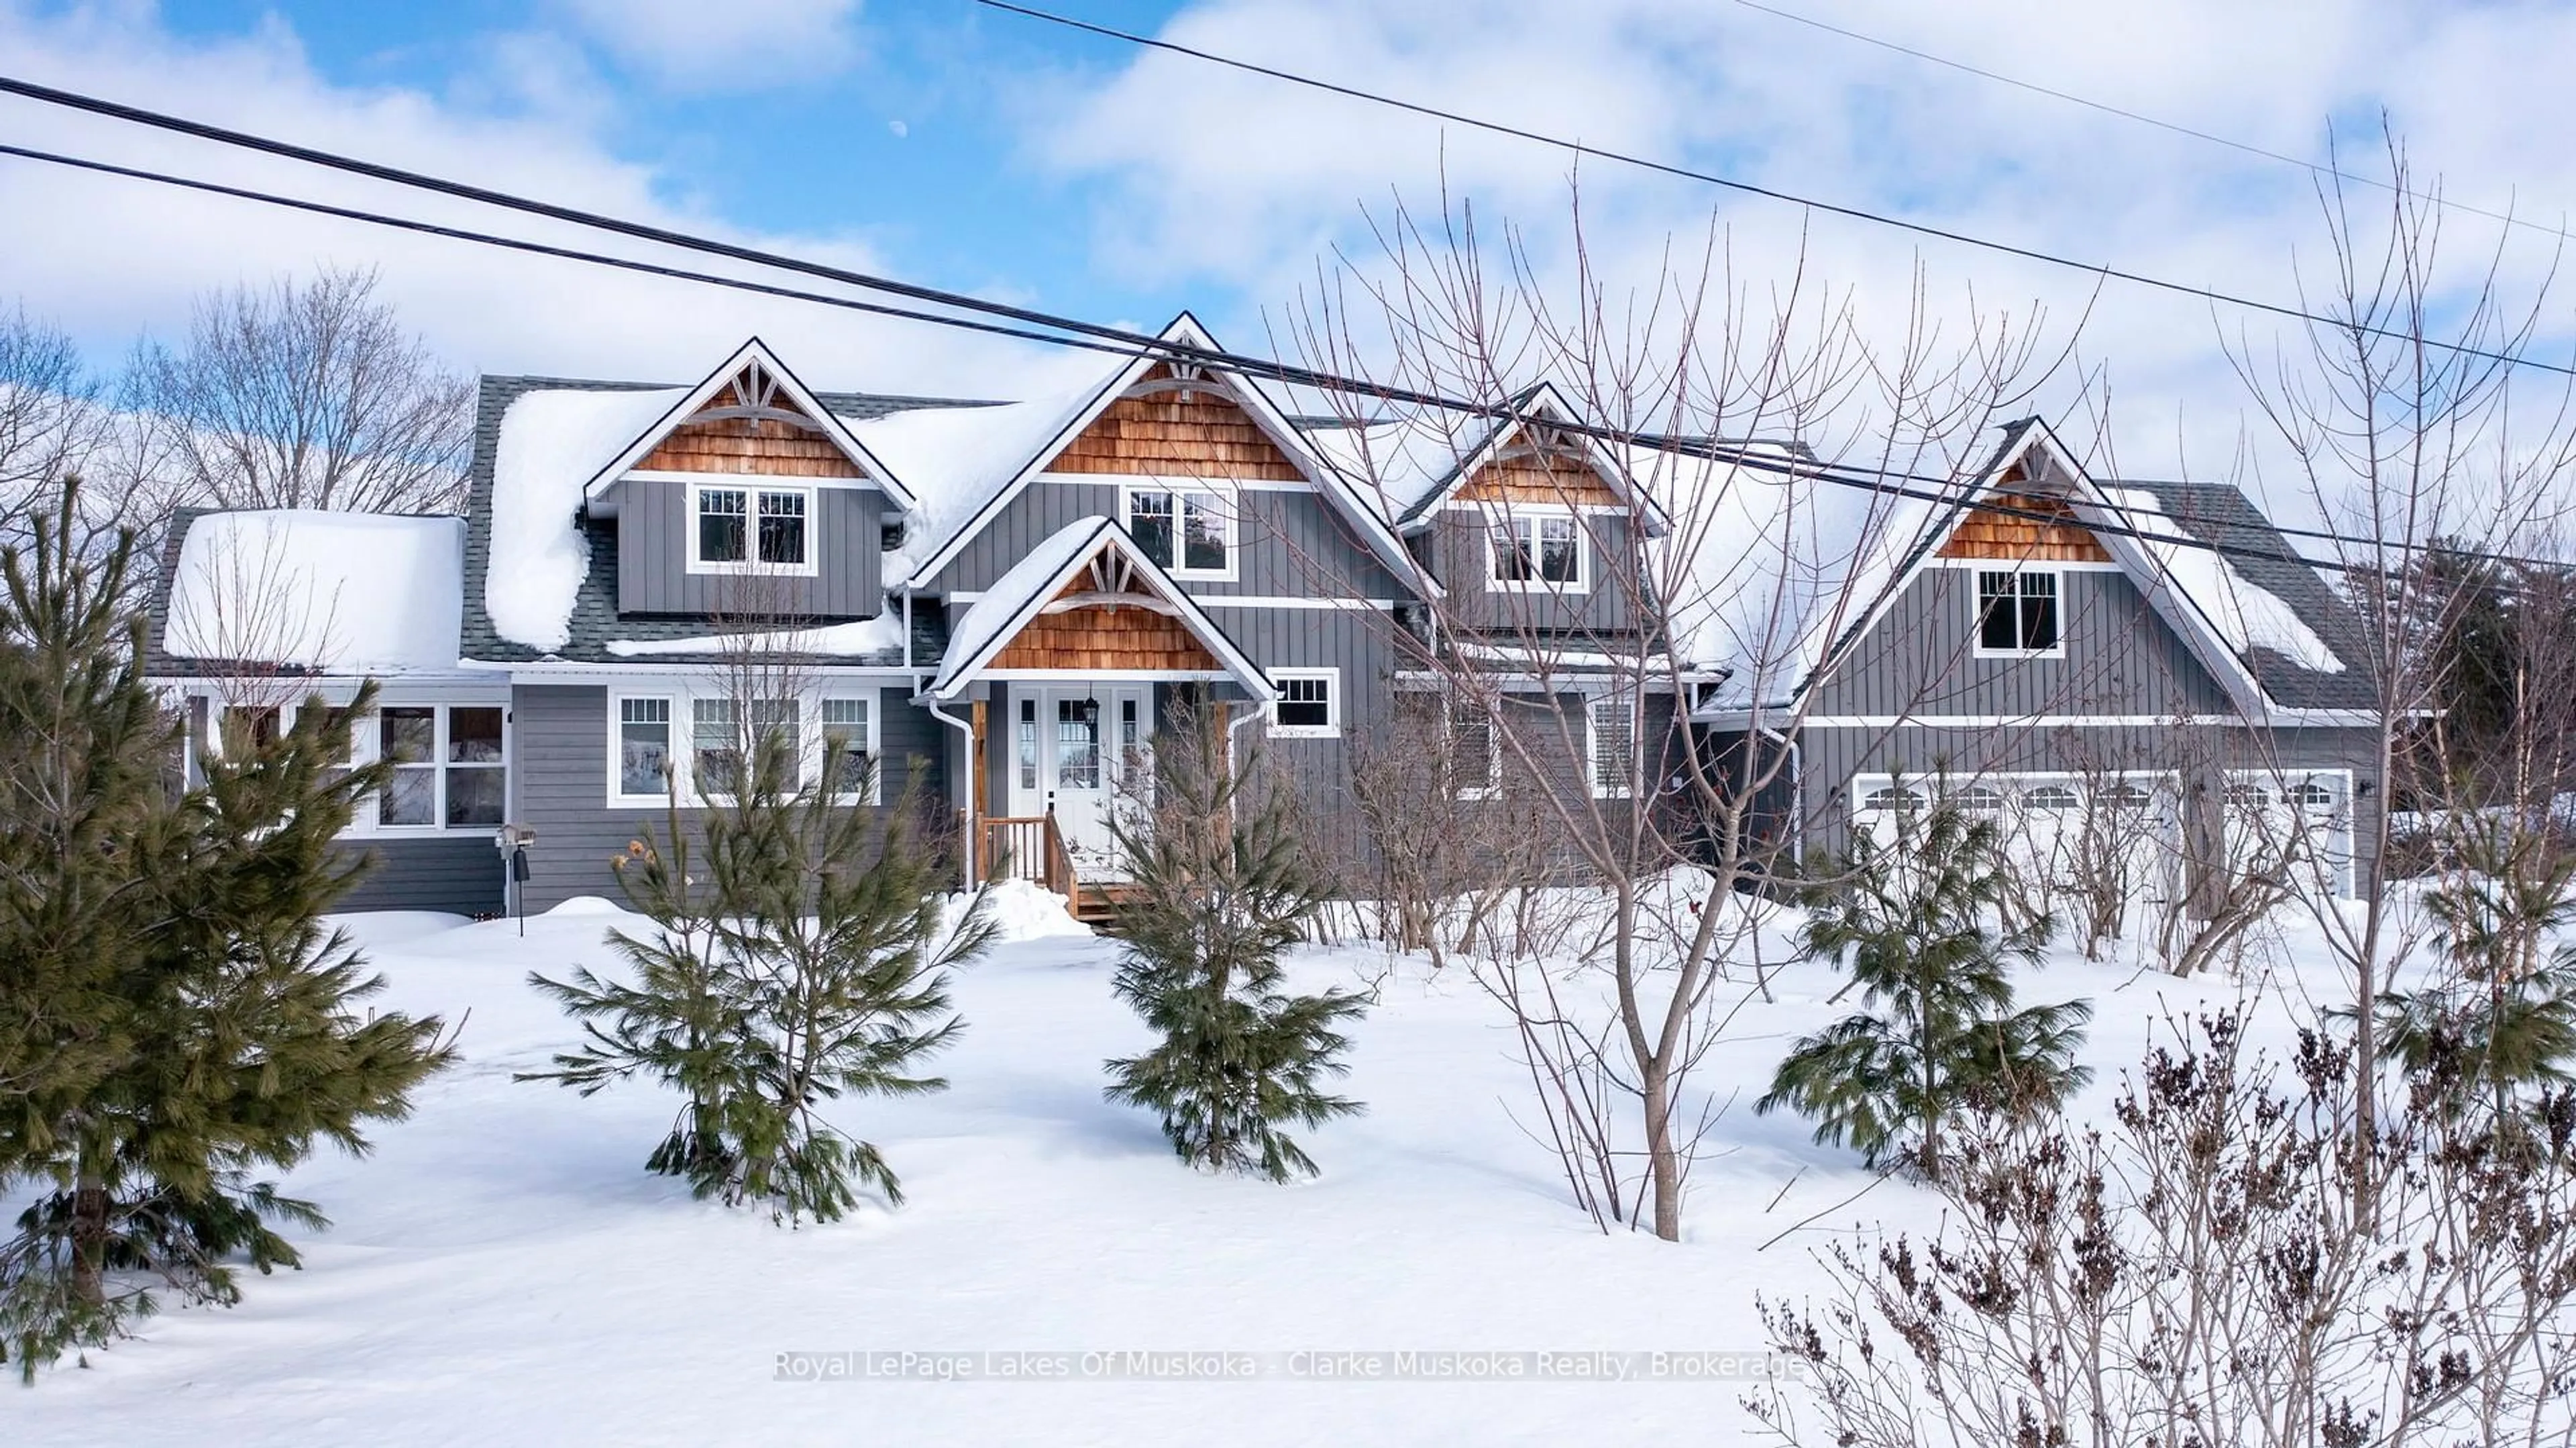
[(1091, 749)]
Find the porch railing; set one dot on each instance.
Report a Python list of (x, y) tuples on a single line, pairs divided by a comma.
[(1026, 847)]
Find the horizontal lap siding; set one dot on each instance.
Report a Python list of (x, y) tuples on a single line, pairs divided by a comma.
[(561, 737), (2120, 658), (653, 547), (459, 874)]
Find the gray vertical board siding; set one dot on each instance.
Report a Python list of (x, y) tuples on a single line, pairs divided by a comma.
[(1291, 543), (2120, 657), (653, 544), (459, 874), (1459, 558), (561, 764), (1831, 757)]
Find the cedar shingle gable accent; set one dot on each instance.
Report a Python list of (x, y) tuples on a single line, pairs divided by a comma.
[(1099, 637), (1530, 477), (1159, 428), (2013, 537)]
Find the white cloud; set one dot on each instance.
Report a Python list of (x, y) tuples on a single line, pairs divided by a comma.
[(1218, 178), (743, 43), (108, 259)]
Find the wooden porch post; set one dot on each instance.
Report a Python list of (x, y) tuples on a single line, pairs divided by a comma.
[(979, 788)]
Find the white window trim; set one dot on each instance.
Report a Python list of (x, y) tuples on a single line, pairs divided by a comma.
[(366, 746), (1612, 789), (1228, 509), (1493, 754), (1976, 615), (874, 698), (752, 486), (1331, 728), (1495, 519), (683, 699), (618, 798)]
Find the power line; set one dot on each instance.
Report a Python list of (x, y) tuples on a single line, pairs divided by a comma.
[(1749, 188), (1886, 482), (2106, 108)]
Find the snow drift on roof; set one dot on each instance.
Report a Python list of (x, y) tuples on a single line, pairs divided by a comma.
[(957, 459), (1767, 568), (2245, 615), (345, 593), (551, 443), (882, 634), (1395, 465)]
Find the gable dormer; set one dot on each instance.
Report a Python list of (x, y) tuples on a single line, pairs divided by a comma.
[(1180, 450), (1536, 528), (748, 498)]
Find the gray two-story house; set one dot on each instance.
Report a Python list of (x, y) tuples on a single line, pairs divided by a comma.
[(994, 607)]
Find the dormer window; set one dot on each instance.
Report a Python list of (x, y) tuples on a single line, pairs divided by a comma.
[(1535, 552), (2017, 613), (748, 529), (1189, 532)]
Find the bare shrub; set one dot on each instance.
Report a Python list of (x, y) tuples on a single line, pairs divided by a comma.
[(2238, 1259)]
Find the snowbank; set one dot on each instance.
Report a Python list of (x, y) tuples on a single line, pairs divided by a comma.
[(355, 593), (551, 444), (1021, 910)]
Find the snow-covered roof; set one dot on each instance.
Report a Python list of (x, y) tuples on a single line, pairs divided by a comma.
[(1028, 585), (867, 636), (1398, 464), (325, 592), (1780, 569), (957, 460), (552, 443)]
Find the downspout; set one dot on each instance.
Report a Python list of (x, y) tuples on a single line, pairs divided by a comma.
[(1797, 789), (966, 731)]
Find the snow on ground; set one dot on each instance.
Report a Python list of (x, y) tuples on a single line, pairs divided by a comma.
[(502, 1269)]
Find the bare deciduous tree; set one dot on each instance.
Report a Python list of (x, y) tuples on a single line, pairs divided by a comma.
[(2409, 428), (1701, 586), (300, 395)]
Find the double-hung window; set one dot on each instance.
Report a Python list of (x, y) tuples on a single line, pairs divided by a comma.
[(2017, 612), (849, 748), (1613, 731), (1473, 766), (1188, 531), (715, 745), (1307, 708), (1542, 550), (746, 529), (644, 761)]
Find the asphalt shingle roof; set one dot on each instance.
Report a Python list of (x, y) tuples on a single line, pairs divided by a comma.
[(594, 614)]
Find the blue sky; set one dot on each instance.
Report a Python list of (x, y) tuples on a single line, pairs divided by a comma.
[(977, 151), (913, 142)]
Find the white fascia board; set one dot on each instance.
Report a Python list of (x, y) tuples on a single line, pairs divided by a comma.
[(825, 420), (1109, 535)]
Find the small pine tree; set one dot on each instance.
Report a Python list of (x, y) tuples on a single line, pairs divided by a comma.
[(1222, 887), (2505, 1019), (1923, 923), (812, 964), (180, 1018)]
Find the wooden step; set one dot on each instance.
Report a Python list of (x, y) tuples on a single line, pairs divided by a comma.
[(1098, 904)]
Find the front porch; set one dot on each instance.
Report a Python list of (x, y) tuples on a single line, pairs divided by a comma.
[(1066, 671)]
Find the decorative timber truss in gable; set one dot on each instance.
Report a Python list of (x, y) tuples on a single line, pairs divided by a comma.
[(752, 416)]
